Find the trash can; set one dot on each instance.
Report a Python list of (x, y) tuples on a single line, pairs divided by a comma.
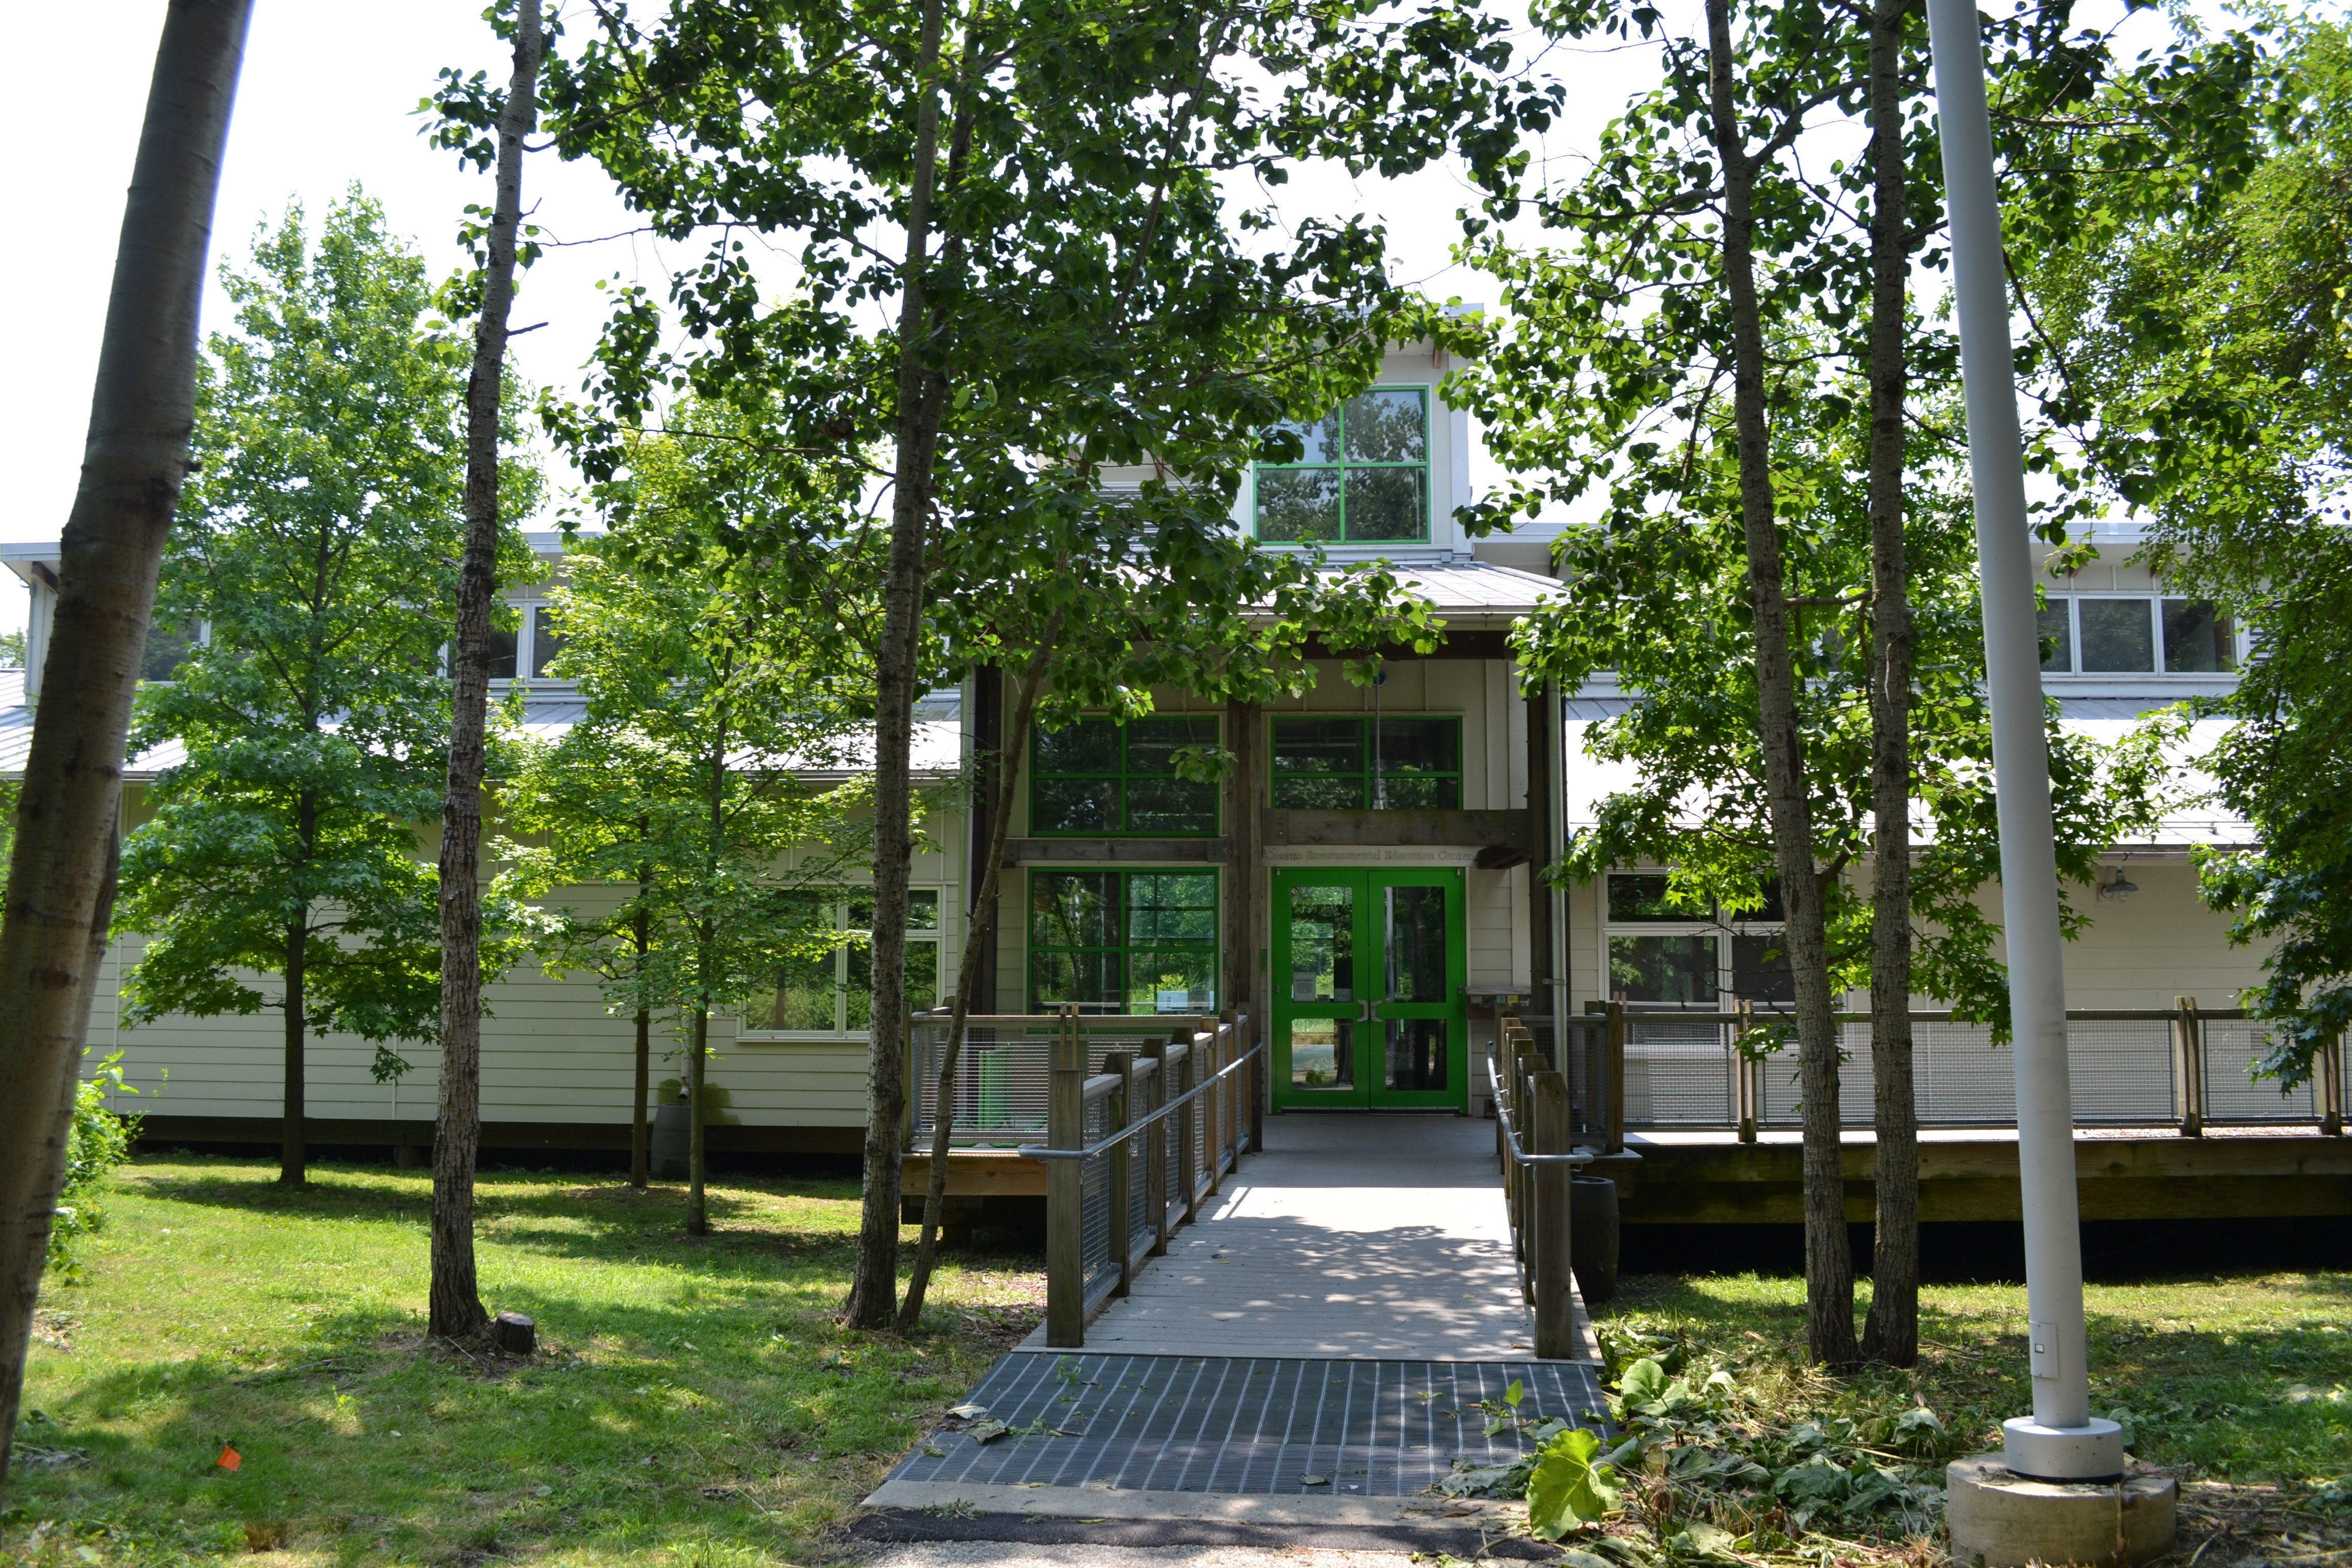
[(673, 1140), (1592, 1236)]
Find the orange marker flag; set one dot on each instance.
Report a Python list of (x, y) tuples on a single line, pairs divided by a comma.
[(230, 1459)]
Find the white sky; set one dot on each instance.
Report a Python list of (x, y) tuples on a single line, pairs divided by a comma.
[(327, 96)]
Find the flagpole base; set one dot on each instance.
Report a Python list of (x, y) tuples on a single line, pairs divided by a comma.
[(1998, 1519)]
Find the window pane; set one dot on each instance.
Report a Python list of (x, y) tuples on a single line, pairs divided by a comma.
[(1075, 805), (1388, 503), (920, 985), (1182, 979), (1074, 909), (1152, 743), (923, 909), (1296, 504), (2057, 637), (1760, 971), (1678, 971), (2198, 638), (1171, 805), (1318, 439), (1642, 895), (2117, 635), (1318, 746), (1318, 794), (1420, 746), (502, 653), (1165, 908), (1089, 979), (1416, 955), (167, 649), (1415, 793), (803, 998), (1322, 1053), (1322, 944), (1088, 746), (1417, 1053), (1387, 427), (546, 642)]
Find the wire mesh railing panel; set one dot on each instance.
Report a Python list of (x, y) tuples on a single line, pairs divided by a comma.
[(1784, 1090), (1006, 1068), (1958, 1078), (2119, 1072), (1677, 1074), (1100, 1259), (2231, 1046)]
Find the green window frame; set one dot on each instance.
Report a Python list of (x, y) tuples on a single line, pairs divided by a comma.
[(831, 994), (1362, 476), (1332, 761), (1101, 779), (1123, 941)]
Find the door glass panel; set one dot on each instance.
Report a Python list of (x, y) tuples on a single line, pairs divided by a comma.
[(1416, 945), (1322, 1053), (1416, 1054), (1323, 945)]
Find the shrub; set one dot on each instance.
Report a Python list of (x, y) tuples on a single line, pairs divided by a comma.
[(100, 1141)]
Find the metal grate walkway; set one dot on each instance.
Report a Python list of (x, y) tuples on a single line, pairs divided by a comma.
[(1262, 1426)]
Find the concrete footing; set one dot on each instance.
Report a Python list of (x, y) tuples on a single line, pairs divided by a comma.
[(1998, 1519)]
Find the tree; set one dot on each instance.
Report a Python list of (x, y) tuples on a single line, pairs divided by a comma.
[(712, 688), (455, 1306), (1612, 376), (1035, 192), (2200, 338), (315, 545), (61, 869)]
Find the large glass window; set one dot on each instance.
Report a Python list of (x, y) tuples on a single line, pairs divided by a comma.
[(832, 993), (1661, 955), (2198, 638), (1098, 776), (1123, 941), (1352, 763), (2085, 634), (1362, 475), (2118, 635)]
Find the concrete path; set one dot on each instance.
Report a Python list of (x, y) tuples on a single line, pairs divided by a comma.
[(1352, 1236)]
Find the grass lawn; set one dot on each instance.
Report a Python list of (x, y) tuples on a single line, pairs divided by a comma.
[(693, 1398), (695, 1406)]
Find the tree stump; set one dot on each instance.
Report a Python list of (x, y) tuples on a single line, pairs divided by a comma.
[(514, 1333)]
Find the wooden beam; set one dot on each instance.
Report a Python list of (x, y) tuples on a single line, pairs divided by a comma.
[(1509, 829), (1452, 644), (1118, 851)]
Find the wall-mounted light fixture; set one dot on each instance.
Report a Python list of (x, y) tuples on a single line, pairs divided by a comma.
[(2119, 889)]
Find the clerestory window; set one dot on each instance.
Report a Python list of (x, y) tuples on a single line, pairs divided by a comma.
[(1362, 476), (1359, 763), (1103, 778)]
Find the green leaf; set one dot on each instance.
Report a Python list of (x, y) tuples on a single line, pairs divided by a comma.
[(1568, 1489), (1644, 1383)]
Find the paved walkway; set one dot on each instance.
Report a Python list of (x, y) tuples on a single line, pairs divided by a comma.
[(1362, 1236)]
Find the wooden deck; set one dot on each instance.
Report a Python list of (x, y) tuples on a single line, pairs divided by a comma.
[(1352, 1237)]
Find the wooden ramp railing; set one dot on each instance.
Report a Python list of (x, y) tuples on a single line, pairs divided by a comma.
[(1535, 1146), (1132, 1147)]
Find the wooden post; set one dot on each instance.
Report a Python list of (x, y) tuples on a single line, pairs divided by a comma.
[(2187, 1068), (1066, 1206), (1261, 1084), (1155, 1151), (1616, 1056), (1554, 1294), (1122, 1099), (1188, 1133), (2331, 1088), (1744, 1075)]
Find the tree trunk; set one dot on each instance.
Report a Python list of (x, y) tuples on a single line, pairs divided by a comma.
[(1891, 1333), (697, 1211), (874, 1288), (293, 1156), (62, 866), (975, 943), (455, 1310), (639, 1135), (1829, 1265)]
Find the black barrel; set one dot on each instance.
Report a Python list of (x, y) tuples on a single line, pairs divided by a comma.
[(1592, 1236), (673, 1144)]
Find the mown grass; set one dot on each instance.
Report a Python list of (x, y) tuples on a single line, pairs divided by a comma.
[(693, 1399)]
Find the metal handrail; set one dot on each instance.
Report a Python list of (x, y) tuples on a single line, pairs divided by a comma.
[(1582, 1154), (1110, 1082)]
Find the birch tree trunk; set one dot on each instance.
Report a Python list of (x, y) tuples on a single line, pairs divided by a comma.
[(68, 811), (455, 1306), (292, 1155), (975, 942), (1891, 1333), (1829, 1265), (874, 1288)]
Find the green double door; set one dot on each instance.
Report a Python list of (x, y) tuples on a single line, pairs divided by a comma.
[(1369, 971)]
